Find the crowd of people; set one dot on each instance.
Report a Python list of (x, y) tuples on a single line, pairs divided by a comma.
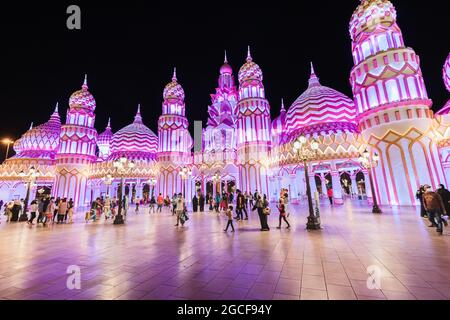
[(45, 210), (434, 205)]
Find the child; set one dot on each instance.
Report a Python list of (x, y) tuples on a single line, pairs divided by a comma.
[(282, 209), (229, 214)]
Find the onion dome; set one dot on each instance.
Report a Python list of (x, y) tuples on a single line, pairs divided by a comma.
[(250, 70), (279, 123), (446, 76), (446, 73), (371, 13), (226, 68), (104, 140), (82, 98), (320, 109), (41, 141), (173, 90), (135, 141)]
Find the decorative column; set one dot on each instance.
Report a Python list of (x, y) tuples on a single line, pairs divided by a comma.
[(337, 188), (354, 184), (294, 186), (324, 184)]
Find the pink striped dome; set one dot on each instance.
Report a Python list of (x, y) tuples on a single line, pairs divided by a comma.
[(41, 141), (82, 98), (320, 109), (136, 141)]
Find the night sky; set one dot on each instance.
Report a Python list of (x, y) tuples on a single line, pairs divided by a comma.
[(129, 49)]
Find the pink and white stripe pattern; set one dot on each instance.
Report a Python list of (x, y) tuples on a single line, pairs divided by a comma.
[(320, 105), (136, 141)]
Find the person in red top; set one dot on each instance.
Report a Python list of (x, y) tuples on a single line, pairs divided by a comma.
[(159, 202), (330, 195)]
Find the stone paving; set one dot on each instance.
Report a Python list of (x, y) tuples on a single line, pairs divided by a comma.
[(149, 258)]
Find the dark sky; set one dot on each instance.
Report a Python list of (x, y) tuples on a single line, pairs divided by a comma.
[(129, 49)]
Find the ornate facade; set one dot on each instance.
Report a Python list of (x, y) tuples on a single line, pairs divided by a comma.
[(242, 147)]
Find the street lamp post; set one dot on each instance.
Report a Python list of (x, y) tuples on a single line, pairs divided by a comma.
[(370, 163), (30, 179), (8, 142), (152, 183), (306, 153), (122, 165), (108, 180), (185, 173)]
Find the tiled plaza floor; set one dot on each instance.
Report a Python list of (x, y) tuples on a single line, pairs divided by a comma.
[(149, 258)]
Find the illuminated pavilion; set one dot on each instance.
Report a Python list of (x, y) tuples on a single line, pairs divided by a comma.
[(243, 148)]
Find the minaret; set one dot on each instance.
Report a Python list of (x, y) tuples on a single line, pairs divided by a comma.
[(393, 109), (174, 140), (104, 142), (77, 148), (253, 129)]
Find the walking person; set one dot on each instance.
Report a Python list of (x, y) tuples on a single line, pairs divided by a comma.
[(266, 213), (152, 205), (137, 205), (259, 206), (201, 200), (70, 210), (229, 214), (55, 211), (69, 206), (179, 209), (217, 202), (9, 210), (435, 208), (174, 203), (195, 203), (419, 196), (330, 195), (62, 209), (33, 210), (160, 202), (240, 206), (41, 210), (250, 200), (49, 212), (445, 195), (282, 210)]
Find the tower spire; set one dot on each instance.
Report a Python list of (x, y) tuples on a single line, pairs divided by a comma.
[(225, 60), (85, 85), (138, 117), (174, 76), (249, 55), (31, 126), (109, 123), (56, 107), (313, 79), (282, 105)]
